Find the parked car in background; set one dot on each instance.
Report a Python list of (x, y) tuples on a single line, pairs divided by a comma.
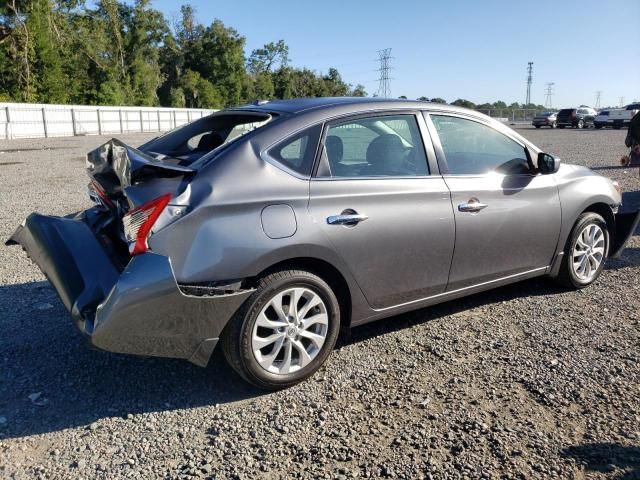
[(580, 117), (545, 119), (267, 228), (602, 119), (620, 117)]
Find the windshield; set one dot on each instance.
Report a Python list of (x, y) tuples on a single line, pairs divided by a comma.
[(193, 141)]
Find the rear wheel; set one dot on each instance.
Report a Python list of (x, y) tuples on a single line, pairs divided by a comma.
[(285, 331), (554, 125), (585, 252), (580, 124)]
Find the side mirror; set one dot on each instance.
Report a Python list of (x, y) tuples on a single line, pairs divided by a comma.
[(547, 164)]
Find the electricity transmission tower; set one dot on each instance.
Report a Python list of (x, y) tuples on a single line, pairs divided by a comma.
[(598, 97), (621, 102), (384, 87), (548, 92), (529, 82)]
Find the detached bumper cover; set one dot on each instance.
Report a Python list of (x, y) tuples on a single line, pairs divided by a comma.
[(140, 310), (627, 221)]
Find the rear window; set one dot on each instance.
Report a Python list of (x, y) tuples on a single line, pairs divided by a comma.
[(299, 151), (604, 112), (633, 106), (194, 140), (566, 111)]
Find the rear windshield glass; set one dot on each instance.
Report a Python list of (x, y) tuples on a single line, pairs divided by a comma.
[(633, 106), (604, 112), (566, 111), (193, 141)]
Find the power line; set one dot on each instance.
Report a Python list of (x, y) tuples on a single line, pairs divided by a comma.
[(529, 82), (548, 92), (598, 97), (384, 80)]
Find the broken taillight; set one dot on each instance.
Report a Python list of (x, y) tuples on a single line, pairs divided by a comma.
[(139, 221)]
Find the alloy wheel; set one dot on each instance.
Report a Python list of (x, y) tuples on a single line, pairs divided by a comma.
[(290, 330), (588, 252)]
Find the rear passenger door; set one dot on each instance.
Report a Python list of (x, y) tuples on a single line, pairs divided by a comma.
[(507, 215), (388, 218)]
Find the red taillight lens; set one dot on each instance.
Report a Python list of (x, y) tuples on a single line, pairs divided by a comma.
[(138, 223), (97, 188)]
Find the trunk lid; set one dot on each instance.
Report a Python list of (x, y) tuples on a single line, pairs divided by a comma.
[(124, 177)]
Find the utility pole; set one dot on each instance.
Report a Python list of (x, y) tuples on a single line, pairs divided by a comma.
[(384, 86), (598, 97), (529, 82), (548, 92)]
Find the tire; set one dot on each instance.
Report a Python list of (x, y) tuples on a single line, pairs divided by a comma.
[(561, 126), (570, 274), (554, 125), (580, 124), (617, 127), (537, 126), (246, 331), (598, 127)]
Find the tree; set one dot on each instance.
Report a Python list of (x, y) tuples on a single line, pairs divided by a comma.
[(438, 100), (266, 58), (464, 103), (423, 99), (358, 91)]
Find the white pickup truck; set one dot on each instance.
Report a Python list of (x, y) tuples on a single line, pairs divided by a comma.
[(622, 116)]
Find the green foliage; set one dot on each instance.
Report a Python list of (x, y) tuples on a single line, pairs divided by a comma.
[(461, 102), (438, 100), (118, 52)]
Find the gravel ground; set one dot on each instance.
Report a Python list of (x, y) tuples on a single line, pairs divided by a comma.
[(526, 381)]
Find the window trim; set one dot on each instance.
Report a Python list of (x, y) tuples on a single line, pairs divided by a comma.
[(442, 158), (266, 156), (430, 154)]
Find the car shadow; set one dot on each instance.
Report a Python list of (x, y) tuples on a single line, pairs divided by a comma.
[(619, 462), (50, 380)]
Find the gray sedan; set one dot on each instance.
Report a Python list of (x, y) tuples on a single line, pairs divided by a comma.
[(267, 228)]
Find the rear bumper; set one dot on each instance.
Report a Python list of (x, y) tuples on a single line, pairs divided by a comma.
[(627, 221), (140, 310)]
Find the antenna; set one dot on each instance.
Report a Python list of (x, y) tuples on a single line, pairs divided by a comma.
[(529, 82), (548, 92), (384, 87), (598, 97)]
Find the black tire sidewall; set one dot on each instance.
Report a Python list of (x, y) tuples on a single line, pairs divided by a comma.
[(584, 220), (258, 300)]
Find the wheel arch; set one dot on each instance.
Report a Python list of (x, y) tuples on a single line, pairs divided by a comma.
[(325, 270), (605, 212)]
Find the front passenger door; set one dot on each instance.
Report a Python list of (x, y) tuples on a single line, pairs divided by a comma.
[(507, 215)]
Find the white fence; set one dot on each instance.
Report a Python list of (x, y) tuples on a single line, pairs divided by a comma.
[(32, 120)]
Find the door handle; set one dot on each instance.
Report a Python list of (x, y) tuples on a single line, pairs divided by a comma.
[(472, 206), (347, 217)]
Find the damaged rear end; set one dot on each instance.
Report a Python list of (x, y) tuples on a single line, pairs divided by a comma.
[(122, 296)]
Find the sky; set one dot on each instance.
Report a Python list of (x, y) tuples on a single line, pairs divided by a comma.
[(477, 50)]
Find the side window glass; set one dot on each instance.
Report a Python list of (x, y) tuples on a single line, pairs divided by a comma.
[(377, 146), (472, 148), (298, 152)]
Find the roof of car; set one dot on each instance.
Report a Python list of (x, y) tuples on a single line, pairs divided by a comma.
[(298, 105)]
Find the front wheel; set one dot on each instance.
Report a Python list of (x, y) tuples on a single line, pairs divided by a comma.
[(285, 331), (585, 252), (537, 126), (580, 124), (554, 125)]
